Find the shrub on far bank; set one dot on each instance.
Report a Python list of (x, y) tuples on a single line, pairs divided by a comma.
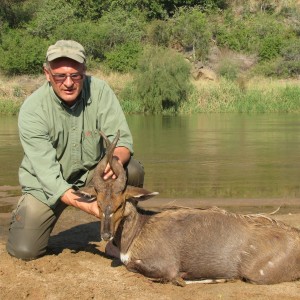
[(9, 107), (161, 81), (264, 34), (124, 58), (190, 27), (287, 65), (22, 53)]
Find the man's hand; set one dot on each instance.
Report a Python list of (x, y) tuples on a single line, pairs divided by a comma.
[(122, 154), (71, 198)]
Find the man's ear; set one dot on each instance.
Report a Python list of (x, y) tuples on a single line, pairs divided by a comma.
[(46, 72)]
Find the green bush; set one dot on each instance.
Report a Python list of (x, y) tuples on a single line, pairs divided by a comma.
[(51, 14), (161, 82), (290, 63), (124, 58), (228, 69), (270, 68), (21, 53), (157, 9), (286, 64), (129, 101), (261, 33), (15, 13), (9, 107), (158, 33), (92, 35), (88, 9), (106, 34), (270, 47), (231, 32), (123, 27), (189, 26)]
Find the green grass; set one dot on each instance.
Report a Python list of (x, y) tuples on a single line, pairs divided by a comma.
[(9, 107), (258, 95), (230, 97)]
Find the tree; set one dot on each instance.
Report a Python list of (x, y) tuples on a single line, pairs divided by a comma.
[(190, 28), (50, 15), (21, 53), (17, 12)]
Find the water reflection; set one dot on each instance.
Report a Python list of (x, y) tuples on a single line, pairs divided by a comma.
[(214, 155), (220, 155), (10, 151)]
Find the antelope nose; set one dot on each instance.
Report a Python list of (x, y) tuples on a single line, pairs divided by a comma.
[(106, 236)]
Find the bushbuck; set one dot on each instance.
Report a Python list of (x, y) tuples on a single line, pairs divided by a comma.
[(110, 194), (186, 243)]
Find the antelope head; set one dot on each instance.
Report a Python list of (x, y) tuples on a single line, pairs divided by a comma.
[(111, 194)]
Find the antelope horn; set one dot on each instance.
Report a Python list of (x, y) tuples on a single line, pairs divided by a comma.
[(115, 166), (108, 158), (110, 147), (108, 154)]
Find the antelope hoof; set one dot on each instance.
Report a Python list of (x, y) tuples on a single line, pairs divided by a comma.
[(178, 281)]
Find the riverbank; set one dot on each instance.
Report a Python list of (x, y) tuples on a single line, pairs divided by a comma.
[(243, 95), (14, 90), (77, 268)]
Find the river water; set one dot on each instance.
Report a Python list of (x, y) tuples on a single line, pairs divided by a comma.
[(201, 156)]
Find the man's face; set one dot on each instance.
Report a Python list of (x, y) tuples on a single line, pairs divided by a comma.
[(66, 77)]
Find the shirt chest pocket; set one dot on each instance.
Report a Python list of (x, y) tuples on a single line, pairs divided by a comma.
[(91, 148)]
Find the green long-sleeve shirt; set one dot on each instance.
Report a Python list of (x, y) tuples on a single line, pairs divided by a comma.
[(60, 143)]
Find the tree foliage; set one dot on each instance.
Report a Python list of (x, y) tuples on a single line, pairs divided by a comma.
[(123, 27), (159, 9), (190, 27), (111, 29), (93, 35), (50, 15), (17, 12), (262, 34), (20, 53), (124, 58)]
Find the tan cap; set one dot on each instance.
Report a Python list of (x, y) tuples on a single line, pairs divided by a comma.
[(66, 48)]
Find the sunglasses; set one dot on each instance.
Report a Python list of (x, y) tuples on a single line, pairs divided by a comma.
[(75, 77)]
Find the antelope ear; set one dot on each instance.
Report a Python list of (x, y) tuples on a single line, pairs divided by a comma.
[(139, 194), (87, 193)]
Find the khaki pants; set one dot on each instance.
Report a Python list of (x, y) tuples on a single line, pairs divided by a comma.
[(33, 221)]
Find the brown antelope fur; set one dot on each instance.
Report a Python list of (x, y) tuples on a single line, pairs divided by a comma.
[(187, 244), (111, 193), (184, 243)]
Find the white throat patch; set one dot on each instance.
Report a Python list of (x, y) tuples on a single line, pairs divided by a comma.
[(125, 258)]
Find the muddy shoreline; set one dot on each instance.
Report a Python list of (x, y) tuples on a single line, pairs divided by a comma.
[(76, 267)]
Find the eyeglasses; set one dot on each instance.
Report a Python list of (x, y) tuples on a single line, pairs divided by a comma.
[(75, 77)]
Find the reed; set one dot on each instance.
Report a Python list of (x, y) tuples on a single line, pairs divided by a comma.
[(9, 107), (255, 96)]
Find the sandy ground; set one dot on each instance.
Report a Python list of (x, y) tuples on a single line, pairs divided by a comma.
[(77, 268)]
